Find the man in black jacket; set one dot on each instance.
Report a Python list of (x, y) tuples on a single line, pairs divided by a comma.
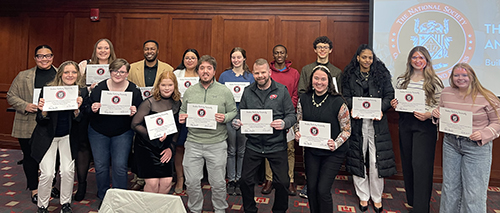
[(265, 93)]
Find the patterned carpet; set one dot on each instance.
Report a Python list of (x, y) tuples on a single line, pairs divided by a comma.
[(14, 197)]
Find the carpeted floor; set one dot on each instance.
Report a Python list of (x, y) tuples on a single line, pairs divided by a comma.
[(14, 197)]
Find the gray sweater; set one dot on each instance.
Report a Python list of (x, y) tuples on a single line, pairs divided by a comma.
[(216, 94)]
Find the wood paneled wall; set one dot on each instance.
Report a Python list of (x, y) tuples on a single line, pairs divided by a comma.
[(211, 27)]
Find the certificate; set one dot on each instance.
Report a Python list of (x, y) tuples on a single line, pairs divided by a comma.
[(36, 95), (115, 103), (59, 98), (201, 116), (366, 107), (455, 122), (186, 82), (256, 121), (159, 124), (97, 72), (237, 89), (146, 92), (314, 134), (410, 100)]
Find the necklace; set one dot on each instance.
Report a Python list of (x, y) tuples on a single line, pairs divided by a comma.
[(316, 104), (365, 76)]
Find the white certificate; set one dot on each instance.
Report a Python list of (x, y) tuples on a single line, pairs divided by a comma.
[(115, 103), (410, 100), (146, 92), (256, 121), (97, 72), (186, 82), (36, 95), (59, 98), (366, 107), (314, 134), (201, 116), (159, 124), (455, 121), (237, 89)]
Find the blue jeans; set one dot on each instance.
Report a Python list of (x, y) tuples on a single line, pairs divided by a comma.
[(466, 173), (235, 152), (110, 150)]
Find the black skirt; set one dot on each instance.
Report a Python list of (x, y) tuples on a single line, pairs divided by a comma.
[(147, 155)]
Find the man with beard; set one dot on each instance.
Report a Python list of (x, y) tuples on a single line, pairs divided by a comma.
[(143, 73), (207, 146), (265, 93), (282, 73)]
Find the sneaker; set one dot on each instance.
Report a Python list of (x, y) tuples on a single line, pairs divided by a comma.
[(237, 190), (303, 192), (42, 210), (66, 208), (230, 187)]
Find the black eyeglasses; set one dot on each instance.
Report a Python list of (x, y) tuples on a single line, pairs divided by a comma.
[(40, 56), (118, 72)]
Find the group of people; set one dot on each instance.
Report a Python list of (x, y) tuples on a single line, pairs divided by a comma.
[(69, 139)]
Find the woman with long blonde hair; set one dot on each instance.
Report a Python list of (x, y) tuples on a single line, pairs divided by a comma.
[(417, 133), (155, 164), (467, 160), (57, 132)]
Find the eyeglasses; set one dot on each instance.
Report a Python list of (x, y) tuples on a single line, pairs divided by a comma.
[(322, 47), (116, 72), (40, 56)]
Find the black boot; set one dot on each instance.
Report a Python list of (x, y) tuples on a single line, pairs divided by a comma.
[(82, 190)]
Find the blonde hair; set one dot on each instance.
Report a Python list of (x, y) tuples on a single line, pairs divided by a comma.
[(112, 55), (475, 87), (176, 95), (431, 80), (58, 78)]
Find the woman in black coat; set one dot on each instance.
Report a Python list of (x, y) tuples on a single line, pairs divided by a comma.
[(370, 157), (57, 132)]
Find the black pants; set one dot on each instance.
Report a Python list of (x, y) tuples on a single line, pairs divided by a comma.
[(30, 166), (279, 165), (417, 143), (321, 172)]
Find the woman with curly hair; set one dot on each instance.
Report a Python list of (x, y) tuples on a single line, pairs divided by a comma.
[(369, 158)]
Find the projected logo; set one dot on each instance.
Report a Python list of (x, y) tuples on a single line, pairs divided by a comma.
[(442, 29)]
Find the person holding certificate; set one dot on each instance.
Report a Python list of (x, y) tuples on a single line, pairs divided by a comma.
[(57, 132), (237, 73), (207, 146), (367, 76), (20, 97), (417, 133), (154, 156), (467, 160), (103, 53), (265, 94), (110, 136), (321, 103), (187, 68)]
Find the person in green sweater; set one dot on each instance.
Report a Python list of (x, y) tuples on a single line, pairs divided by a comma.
[(207, 145)]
